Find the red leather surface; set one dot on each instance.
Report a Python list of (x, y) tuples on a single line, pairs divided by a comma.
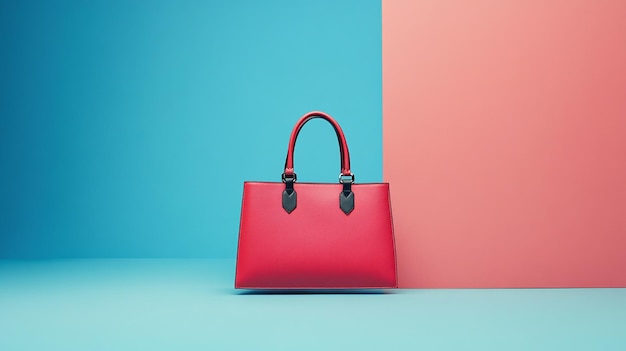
[(343, 145), (317, 245)]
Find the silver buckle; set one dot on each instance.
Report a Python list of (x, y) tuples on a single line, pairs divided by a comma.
[(295, 178), (341, 179)]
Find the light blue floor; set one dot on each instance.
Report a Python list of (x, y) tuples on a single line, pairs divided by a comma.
[(191, 305)]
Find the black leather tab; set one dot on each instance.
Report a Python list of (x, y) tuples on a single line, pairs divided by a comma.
[(346, 199), (290, 197)]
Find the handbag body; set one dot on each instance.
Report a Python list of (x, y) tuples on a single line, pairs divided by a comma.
[(316, 235)]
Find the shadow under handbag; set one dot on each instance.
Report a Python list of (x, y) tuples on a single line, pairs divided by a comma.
[(316, 235)]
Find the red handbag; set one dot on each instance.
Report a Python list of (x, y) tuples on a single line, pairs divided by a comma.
[(316, 235)]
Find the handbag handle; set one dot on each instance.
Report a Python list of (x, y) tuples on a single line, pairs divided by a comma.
[(346, 196), (343, 146)]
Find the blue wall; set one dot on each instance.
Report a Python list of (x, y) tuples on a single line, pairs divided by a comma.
[(128, 127)]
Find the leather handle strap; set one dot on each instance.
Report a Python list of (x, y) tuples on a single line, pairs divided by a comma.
[(343, 145)]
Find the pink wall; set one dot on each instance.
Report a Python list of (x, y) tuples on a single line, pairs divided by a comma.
[(505, 141)]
